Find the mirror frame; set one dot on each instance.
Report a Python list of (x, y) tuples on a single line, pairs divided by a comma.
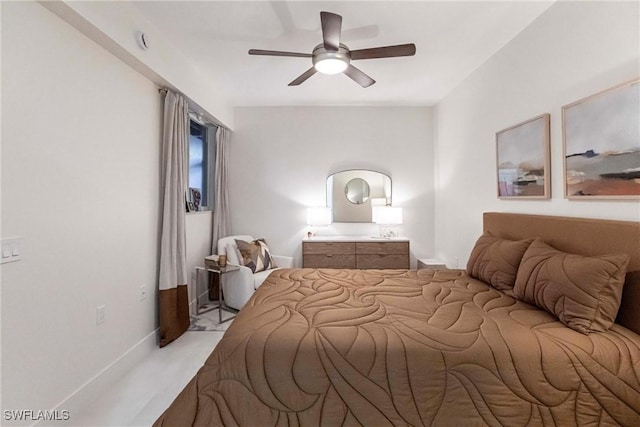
[(361, 195), (343, 210)]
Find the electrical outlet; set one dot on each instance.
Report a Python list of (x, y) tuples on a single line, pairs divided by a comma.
[(143, 292), (100, 314)]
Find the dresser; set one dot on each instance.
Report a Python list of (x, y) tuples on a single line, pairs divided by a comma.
[(360, 253)]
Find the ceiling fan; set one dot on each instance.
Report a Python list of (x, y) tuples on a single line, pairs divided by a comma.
[(333, 57)]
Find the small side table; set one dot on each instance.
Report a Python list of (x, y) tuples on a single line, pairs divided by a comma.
[(433, 264), (220, 271)]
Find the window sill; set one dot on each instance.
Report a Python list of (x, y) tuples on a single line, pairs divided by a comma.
[(199, 212)]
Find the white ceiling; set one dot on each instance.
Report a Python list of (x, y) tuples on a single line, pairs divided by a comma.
[(452, 39)]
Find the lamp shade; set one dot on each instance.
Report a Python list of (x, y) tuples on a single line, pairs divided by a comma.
[(319, 217), (387, 215), (377, 203)]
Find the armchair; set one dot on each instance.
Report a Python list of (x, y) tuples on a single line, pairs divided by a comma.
[(239, 286)]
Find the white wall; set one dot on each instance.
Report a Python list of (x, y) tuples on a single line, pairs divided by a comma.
[(114, 25), (198, 229), (282, 156), (573, 50), (80, 184)]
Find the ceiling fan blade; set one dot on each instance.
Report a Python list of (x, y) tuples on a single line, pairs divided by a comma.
[(384, 52), (310, 72), (358, 76), (331, 28), (278, 53)]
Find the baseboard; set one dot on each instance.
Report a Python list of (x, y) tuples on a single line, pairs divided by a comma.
[(204, 294), (193, 304), (95, 387)]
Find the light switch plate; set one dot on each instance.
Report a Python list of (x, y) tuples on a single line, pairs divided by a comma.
[(11, 250)]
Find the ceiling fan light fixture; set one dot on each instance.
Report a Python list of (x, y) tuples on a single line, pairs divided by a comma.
[(331, 66), (330, 62)]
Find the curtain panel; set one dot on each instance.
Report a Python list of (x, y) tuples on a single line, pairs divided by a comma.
[(221, 225), (172, 277)]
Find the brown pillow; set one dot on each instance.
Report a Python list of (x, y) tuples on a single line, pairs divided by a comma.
[(255, 255), (583, 292), (495, 261)]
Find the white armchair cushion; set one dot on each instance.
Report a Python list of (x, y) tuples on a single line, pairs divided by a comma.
[(260, 277), (233, 254), (280, 262), (238, 286), (231, 241)]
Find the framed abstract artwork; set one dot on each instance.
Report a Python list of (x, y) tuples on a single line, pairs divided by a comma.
[(601, 138), (523, 160)]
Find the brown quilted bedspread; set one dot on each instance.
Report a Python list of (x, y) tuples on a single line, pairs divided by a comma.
[(397, 347)]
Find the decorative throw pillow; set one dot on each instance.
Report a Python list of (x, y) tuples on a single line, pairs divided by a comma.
[(495, 261), (233, 254), (583, 292), (255, 255)]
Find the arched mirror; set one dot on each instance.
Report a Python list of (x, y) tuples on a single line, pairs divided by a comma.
[(357, 191), (352, 194)]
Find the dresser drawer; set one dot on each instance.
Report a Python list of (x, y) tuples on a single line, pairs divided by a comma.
[(361, 254), (328, 248), (329, 261), (381, 261), (382, 248)]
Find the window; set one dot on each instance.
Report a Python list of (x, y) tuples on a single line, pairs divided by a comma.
[(201, 164)]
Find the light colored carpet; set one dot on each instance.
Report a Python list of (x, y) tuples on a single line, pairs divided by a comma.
[(209, 321)]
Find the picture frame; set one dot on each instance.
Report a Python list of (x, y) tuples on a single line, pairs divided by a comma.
[(195, 198), (523, 159), (601, 144)]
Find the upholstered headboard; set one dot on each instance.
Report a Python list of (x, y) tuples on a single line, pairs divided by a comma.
[(582, 236)]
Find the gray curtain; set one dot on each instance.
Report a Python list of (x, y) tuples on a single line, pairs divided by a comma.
[(173, 294), (221, 218)]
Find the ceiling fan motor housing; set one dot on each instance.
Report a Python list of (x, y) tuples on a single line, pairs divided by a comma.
[(331, 61)]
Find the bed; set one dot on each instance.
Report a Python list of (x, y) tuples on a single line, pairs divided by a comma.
[(424, 347)]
